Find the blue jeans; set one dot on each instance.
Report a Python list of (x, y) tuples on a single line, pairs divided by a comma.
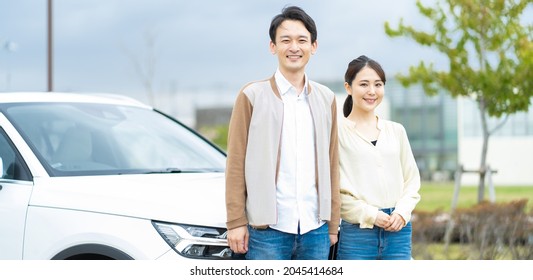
[(271, 244), (357, 243)]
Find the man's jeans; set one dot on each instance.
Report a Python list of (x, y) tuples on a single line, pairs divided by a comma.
[(357, 243), (271, 244)]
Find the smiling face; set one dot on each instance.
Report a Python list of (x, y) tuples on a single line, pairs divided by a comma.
[(292, 46), (367, 90)]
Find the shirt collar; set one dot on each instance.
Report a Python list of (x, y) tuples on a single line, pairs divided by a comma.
[(284, 86), (353, 124)]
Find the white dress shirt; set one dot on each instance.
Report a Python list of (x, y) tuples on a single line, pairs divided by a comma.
[(297, 198)]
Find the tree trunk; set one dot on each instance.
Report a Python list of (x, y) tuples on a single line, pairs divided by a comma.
[(484, 149)]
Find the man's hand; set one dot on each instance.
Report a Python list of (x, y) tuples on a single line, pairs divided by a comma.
[(238, 239), (333, 238)]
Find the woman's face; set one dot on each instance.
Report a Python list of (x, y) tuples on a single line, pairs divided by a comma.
[(367, 90)]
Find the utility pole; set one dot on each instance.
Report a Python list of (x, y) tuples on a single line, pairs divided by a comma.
[(50, 86)]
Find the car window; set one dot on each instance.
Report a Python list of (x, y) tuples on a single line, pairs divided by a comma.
[(12, 165), (94, 139)]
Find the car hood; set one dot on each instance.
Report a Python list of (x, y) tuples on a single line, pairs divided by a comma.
[(187, 198)]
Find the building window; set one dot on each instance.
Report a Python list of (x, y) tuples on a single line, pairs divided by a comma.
[(518, 124)]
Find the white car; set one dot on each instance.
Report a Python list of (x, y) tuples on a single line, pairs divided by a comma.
[(99, 176)]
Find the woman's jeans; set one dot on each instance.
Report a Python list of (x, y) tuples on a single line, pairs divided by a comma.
[(357, 243), (271, 244)]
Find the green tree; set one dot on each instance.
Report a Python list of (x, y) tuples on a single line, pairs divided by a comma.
[(490, 55)]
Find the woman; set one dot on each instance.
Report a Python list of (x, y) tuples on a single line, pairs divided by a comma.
[(379, 176)]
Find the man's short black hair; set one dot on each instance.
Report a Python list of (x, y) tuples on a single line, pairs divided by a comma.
[(293, 13)]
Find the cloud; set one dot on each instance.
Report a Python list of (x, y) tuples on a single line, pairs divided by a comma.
[(200, 44)]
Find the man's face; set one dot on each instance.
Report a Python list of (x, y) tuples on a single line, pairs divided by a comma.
[(292, 46)]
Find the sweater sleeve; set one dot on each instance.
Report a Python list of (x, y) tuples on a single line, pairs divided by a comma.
[(236, 154), (357, 211), (411, 179)]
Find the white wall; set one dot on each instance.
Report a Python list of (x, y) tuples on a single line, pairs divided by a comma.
[(511, 156)]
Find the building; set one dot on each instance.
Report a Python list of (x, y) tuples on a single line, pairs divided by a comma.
[(431, 124)]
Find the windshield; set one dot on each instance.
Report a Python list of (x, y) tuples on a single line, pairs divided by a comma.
[(95, 139)]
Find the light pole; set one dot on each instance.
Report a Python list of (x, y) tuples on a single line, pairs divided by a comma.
[(9, 46), (50, 79)]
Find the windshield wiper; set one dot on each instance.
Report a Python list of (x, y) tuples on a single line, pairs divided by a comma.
[(177, 170), (164, 171)]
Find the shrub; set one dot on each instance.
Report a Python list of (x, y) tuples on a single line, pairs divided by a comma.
[(488, 230)]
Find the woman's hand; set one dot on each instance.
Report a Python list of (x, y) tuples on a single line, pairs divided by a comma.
[(396, 222), (382, 220)]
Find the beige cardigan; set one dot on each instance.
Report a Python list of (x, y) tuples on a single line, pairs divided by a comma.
[(253, 155)]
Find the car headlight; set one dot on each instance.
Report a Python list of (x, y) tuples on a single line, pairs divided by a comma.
[(195, 241)]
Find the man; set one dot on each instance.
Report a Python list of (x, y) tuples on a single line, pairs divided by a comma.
[(282, 178)]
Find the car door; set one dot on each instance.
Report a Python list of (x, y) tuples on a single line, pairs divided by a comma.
[(15, 191)]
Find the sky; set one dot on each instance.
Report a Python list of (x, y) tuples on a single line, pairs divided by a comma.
[(197, 45), (200, 45)]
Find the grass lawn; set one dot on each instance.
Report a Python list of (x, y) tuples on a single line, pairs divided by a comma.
[(455, 251), (438, 196)]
